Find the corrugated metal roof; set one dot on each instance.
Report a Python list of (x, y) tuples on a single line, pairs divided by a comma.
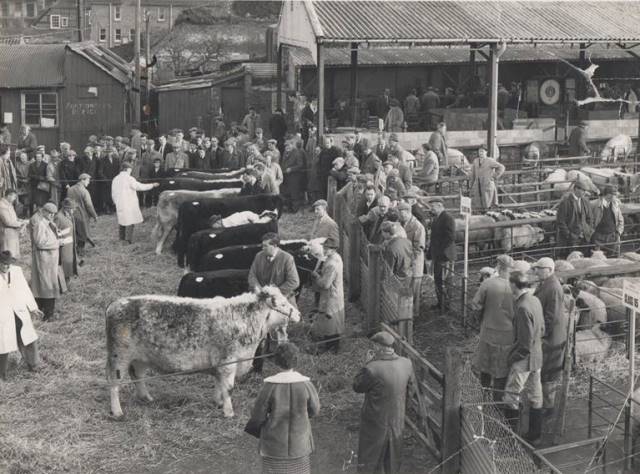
[(27, 66), (463, 21), (42, 65), (200, 82), (454, 55)]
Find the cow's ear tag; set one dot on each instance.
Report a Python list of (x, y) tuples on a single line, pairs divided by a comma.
[(219, 256), (199, 279), (213, 236), (195, 203), (172, 182)]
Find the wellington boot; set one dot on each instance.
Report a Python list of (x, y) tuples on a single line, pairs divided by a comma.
[(534, 435)]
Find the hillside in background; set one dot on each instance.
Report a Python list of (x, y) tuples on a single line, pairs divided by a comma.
[(230, 12)]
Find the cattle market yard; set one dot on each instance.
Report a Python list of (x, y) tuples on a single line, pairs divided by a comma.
[(58, 420)]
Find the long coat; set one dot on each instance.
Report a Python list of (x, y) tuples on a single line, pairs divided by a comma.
[(556, 319), (417, 235), (84, 210), (280, 416), (53, 178), (438, 144), (494, 300), (394, 120), (528, 330), (123, 192), (573, 219), (67, 233), (484, 194), (17, 300), (9, 229), (385, 382), (45, 252), (325, 227), (294, 173), (38, 174), (328, 284), (8, 176), (442, 247)]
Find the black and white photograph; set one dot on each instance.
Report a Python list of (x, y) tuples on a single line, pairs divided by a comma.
[(319, 236)]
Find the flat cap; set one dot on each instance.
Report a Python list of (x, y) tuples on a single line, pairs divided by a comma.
[(383, 338), (271, 140), (545, 262), (393, 137), (505, 260), (50, 207), (404, 206), (84, 176), (320, 202), (330, 243)]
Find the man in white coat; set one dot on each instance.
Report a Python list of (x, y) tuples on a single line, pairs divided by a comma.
[(18, 304), (123, 193)]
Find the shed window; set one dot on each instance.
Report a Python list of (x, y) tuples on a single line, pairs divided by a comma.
[(40, 109), (116, 13), (31, 10), (64, 21), (118, 37), (54, 22), (103, 34), (162, 16)]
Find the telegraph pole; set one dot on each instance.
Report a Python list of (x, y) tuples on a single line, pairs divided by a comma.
[(136, 87), (80, 20), (147, 54)]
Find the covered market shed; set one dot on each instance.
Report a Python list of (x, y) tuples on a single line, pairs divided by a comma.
[(486, 28)]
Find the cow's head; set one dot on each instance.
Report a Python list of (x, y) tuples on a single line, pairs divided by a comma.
[(280, 311)]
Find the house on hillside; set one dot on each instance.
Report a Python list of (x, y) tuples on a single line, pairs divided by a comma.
[(60, 18), (16, 15), (65, 92)]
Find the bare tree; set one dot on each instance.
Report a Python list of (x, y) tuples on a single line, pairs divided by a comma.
[(186, 54)]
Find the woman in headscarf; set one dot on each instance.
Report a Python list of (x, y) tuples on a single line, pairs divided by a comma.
[(280, 417)]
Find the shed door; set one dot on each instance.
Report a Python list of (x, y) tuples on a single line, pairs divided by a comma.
[(233, 104)]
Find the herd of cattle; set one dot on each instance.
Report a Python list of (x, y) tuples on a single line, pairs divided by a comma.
[(214, 319)]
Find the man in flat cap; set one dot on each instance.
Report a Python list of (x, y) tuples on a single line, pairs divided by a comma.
[(84, 210), (494, 304), (16, 329), (556, 319), (574, 221), (323, 225), (608, 222), (385, 380), (417, 235), (250, 185), (327, 282), (47, 281), (442, 248), (578, 141)]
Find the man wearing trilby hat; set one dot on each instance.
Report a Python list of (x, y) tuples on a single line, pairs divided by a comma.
[(16, 329)]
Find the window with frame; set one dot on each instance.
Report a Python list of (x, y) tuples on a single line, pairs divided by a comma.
[(118, 35), (40, 109), (31, 10), (162, 15), (103, 34), (4, 10), (64, 21), (116, 13), (54, 22)]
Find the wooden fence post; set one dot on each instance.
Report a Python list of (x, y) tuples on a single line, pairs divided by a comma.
[(373, 282), (331, 195), (354, 260), (451, 428)]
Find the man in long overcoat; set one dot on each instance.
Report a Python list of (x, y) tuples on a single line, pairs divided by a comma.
[(442, 248), (84, 210), (10, 225), (66, 224), (578, 141), (574, 221), (293, 172), (551, 297), (8, 176), (16, 329), (47, 281), (385, 380), (123, 192), (417, 235), (438, 143), (484, 172), (107, 169), (327, 281)]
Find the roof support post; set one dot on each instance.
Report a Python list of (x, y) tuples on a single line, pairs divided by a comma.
[(320, 73), (279, 69), (353, 90), (493, 101)]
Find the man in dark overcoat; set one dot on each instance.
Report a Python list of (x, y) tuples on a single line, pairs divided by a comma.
[(442, 248), (573, 221), (578, 141), (385, 381), (293, 170), (551, 297)]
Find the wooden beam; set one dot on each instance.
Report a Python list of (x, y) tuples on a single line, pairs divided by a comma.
[(279, 69), (493, 102), (353, 89), (451, 433), (321, 91)]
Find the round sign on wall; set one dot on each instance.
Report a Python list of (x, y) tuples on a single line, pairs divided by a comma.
[(550, 92)]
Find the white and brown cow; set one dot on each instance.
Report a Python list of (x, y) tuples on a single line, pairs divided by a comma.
[(173, 334), (169, 203)]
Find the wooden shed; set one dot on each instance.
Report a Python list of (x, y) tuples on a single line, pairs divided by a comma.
[(65, 92), (196, 101)]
